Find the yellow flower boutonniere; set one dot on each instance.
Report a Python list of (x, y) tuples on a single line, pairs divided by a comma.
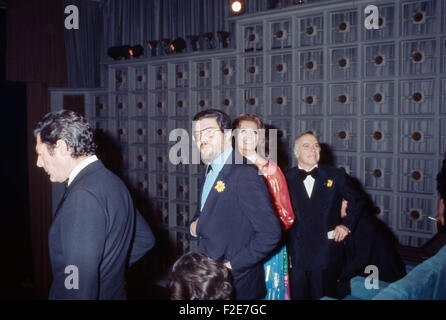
[(329, 183), (220, 186)]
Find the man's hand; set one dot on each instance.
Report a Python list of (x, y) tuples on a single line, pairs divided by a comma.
[(228, 265), (193, 228), (340, 232), (440, 212)]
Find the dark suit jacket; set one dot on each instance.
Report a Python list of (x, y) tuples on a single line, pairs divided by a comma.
[(93, 230), (239, 225), (371, 244), (308, 245)]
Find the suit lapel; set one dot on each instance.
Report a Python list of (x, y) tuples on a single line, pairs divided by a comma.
[(300, 193), (320, 194), (208, 207)]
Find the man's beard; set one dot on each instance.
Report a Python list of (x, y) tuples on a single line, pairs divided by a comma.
[(209, 155)]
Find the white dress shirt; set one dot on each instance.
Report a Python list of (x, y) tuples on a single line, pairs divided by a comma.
[(79, 168), (309, 181)]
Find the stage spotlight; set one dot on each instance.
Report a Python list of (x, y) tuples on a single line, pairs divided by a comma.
[(178, 45), (193, 41), (237, 7), (223, 37), (136, 51), (272, 4), (114, 53), (119, 52), (210, 39), (152, 46), (165, 45)]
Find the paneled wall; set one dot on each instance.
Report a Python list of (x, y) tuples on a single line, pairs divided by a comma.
[(376, 97)]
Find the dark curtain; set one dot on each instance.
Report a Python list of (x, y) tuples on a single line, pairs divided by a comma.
[(109, 23), (131, 22), (35, 55)]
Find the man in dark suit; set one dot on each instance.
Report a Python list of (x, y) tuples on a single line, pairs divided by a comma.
[(235, 222), (441, 187), (372, 243), (96, 232), (315, 241)]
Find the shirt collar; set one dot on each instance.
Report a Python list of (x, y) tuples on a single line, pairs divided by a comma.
[(220, 161), (315, 166), (80, 166)]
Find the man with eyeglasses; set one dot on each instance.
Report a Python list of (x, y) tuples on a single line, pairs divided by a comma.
[(314, 242), (235, 222)]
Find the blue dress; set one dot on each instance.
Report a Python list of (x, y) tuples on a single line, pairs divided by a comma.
[(276, 276), (276, 268)]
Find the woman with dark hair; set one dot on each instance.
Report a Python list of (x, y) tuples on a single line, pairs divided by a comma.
[(195, 276), (250, 141)]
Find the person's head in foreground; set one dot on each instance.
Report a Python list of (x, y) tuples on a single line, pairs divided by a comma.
[(195, 276)]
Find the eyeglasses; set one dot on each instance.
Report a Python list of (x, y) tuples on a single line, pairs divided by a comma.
[(205, 133)]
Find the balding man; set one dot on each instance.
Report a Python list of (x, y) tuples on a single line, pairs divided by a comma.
[(315, 241)]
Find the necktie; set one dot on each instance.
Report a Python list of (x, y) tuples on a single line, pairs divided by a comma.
[(209, 169), (304, 174), (206, 187)]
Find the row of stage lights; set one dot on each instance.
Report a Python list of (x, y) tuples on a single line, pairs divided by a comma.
[(237, 7), (167, 46)]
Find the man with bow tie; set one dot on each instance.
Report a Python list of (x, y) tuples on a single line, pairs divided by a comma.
[(315, 241)]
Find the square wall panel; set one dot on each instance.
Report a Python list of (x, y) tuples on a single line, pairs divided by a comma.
[(344, 134), (417, 175), (311, 65), (379, 98), (378, 173), (419, 17), (281, 67), (417, 136), (378, 135), (344, 63), (344, 98), (380, 60), (386, 23), (253, 38), (417, 97), (281, 35), (227, 72), (281, 102), (413, 214), (344, 26), (311, 31), (310, 100), (418, 57)]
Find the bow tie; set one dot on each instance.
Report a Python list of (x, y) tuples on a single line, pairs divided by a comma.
[(304, 174)]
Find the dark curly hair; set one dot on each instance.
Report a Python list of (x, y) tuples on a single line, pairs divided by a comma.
[(223, 120), (68, 126), (196, 276)]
